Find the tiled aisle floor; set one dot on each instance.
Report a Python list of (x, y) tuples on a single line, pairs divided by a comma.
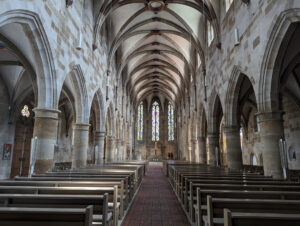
[(155, 204)]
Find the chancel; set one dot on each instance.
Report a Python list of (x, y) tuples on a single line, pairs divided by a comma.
[(149, 112)]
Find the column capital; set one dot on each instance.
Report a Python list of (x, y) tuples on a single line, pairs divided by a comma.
[(201, 138), (100, 134), (194, 140), (231, 128), (269, 116), (111, 137), (212, 135), (81, 126), (46, 113)]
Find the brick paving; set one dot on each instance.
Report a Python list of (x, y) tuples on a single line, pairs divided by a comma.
[(155, 204)]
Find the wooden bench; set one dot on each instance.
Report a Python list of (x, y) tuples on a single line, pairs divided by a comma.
[(238, 187), (201, 198), (129, 186), (132, 182), (260, 219), (184, 189), (216, 206), (112, 192), (21, 216), (122, 195), (99, 203)]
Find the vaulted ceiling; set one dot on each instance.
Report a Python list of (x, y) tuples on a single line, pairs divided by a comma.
[(157, 46)]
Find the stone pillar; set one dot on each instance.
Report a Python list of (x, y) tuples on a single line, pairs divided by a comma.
[(45, 129), (202, 150), (123, 150), (271, 130), (213, 142), (81, 138), (194, 145), (110, 148), (233, 146), (117, 150), (99, 142)]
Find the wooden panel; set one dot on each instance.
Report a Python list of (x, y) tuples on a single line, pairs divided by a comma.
[(20, 130)]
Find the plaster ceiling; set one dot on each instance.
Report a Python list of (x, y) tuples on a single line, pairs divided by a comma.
[(159, 44)]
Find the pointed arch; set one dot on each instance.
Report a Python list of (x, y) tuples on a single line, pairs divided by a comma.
[(202, 122), (268, 100), (98, 106), (232, 95), (39, 62), (216, 110), (78, 84), (109, 120)]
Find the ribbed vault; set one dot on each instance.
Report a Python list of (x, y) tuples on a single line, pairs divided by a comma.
[(155, 45)]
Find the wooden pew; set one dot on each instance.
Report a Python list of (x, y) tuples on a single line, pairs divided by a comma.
[(132, 181), (185, 187), (215, 207), (238, 187), (21, 216), (111, 171), (99, 203), (112, 192), (122, 196), (233, 194), (129, 186), (260, 219)]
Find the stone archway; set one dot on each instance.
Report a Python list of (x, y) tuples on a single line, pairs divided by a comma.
[(214, 126)]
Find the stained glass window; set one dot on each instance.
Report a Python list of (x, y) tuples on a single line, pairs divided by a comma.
[(228, 4), (210, 33), (170, 122), (25, 111), (140, 126), (155, 121)]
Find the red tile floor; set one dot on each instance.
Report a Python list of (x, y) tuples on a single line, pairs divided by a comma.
[(155, 203)]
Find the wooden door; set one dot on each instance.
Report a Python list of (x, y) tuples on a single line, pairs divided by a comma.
[(23, 134)]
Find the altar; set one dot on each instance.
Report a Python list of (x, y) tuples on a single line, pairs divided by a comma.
[(155, 154)]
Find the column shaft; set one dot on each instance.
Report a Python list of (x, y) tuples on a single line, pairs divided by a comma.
[(202, 150), (45, 129), (194, 143), (81, 138), (110, 148), (213, 143), (233, 146), (117, 150), (99, 143), (271, 130)]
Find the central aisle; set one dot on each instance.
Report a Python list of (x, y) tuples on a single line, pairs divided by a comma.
[(155, 204)]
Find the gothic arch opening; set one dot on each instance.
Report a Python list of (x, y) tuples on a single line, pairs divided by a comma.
[(18, 98)]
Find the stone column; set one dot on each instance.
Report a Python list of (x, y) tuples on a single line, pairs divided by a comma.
[(194, 143), (213, 142), (202, 150), (45, 129), (188, 152), (99, 142), (271, 130), (233, 146), (81, 138), (123, 150), (110, 148), (117, 150)]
